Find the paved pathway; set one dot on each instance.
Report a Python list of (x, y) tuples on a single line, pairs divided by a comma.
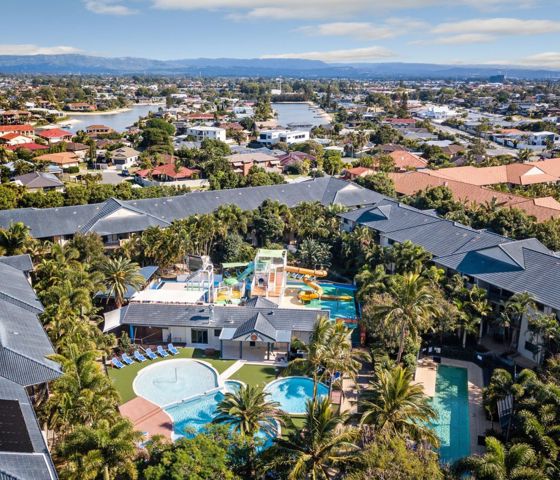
[(147, 417), (228, 372)]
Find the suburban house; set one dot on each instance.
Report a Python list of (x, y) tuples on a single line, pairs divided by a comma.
[(293, 158), (272, 137), (407, 161), (242, 162), (26, 130), (202, 133), (24, 374), (14, 117), (124, 157), (358, 172), (167, 172), (13, 139), (80, 107), (400, 122), (115, 220), (55, 135), (95, 130), (62, 159), (79, 149), (522, 139), (32, 147), (39, 182), (493, 262)]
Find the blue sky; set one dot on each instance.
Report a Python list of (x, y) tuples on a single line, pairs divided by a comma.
[(524, 32)]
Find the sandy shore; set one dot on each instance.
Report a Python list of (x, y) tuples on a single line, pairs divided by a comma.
[(104, 112)]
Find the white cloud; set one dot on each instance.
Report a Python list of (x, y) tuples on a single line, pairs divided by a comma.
[(498, 26), (390, 28), (366, 54), (360, 30), (545, 59), (314, 9), (108, 7), (30, 49), (464, 38)]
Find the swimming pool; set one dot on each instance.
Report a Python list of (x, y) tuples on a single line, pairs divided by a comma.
[(451, 402), (337, 308), (174, 380), (192, 416), (292, 393)]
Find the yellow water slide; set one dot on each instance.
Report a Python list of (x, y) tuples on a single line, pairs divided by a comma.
[(317, 292)]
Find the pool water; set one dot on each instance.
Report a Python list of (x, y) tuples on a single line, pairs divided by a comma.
[(172, 381), (451, 402), (337, 308), (192, 416), (292, 393)]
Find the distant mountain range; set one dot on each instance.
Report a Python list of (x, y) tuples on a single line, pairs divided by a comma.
[(90, 65)]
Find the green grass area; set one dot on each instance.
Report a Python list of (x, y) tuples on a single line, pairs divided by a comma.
[(124, 377), (258, 375)]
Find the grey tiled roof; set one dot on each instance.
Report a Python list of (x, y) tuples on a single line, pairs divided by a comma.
[(25, 466), (39, 180), (261, 302), (104, 218), (21, 262), (257, 324), (174, 315), (515, 266), (23, 342)]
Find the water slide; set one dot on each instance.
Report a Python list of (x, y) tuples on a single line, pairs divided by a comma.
[(245, 273), (317, 292)]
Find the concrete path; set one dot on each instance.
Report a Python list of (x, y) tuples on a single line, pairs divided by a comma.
[(147, 417), (228, 372)]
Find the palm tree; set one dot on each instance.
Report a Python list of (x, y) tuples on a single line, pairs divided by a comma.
[(320, 449), (398, 407), (104, 450), (14, 239), (120, 274), (248, 411), (407, 309), (499, 463), (514, 310)]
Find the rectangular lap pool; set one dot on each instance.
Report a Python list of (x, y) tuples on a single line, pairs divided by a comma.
[(451, 403)]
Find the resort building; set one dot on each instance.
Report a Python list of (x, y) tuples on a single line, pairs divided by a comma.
[(24, 373), (493, 262), (114, 220)]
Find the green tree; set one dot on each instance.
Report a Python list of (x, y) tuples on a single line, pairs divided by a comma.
[(119, 274), (398, 407), (14, 239), (321, 449), (313, 254)]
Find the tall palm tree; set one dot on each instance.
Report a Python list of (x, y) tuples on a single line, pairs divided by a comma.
[(514, 310), (105, 450), (249, 411), (320, 450), (398, 407), (407, 309), (499, 463), (119, 274), (14, 239)]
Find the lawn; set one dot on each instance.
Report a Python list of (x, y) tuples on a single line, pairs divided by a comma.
[(124, 377), (258, 375)]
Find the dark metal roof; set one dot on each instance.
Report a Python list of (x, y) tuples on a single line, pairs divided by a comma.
[(256, 324), (166, 315), (21, 262), (137, 215)]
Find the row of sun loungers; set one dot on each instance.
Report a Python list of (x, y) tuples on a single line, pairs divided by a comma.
[(141, 357)]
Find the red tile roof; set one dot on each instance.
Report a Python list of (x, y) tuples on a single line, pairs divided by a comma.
[(16, 128), (406, 160), (54, 133), (28, 146)]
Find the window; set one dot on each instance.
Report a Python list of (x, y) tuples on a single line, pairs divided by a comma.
[(531, 347), (199, 336), (251, 344), (217, 332)]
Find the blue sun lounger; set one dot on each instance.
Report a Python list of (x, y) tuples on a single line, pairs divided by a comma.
[(161, 351), (151, 355), (126, 359), (117, 363), (138, 356), (172, 349)]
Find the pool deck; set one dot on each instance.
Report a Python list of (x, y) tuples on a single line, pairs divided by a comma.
[(147, 417), (426, 376)]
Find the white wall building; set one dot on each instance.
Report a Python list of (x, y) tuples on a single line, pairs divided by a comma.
[(272, 137), (202, 133)]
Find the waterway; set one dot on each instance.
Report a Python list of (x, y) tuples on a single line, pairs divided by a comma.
[(117, 121), (299, 114)]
